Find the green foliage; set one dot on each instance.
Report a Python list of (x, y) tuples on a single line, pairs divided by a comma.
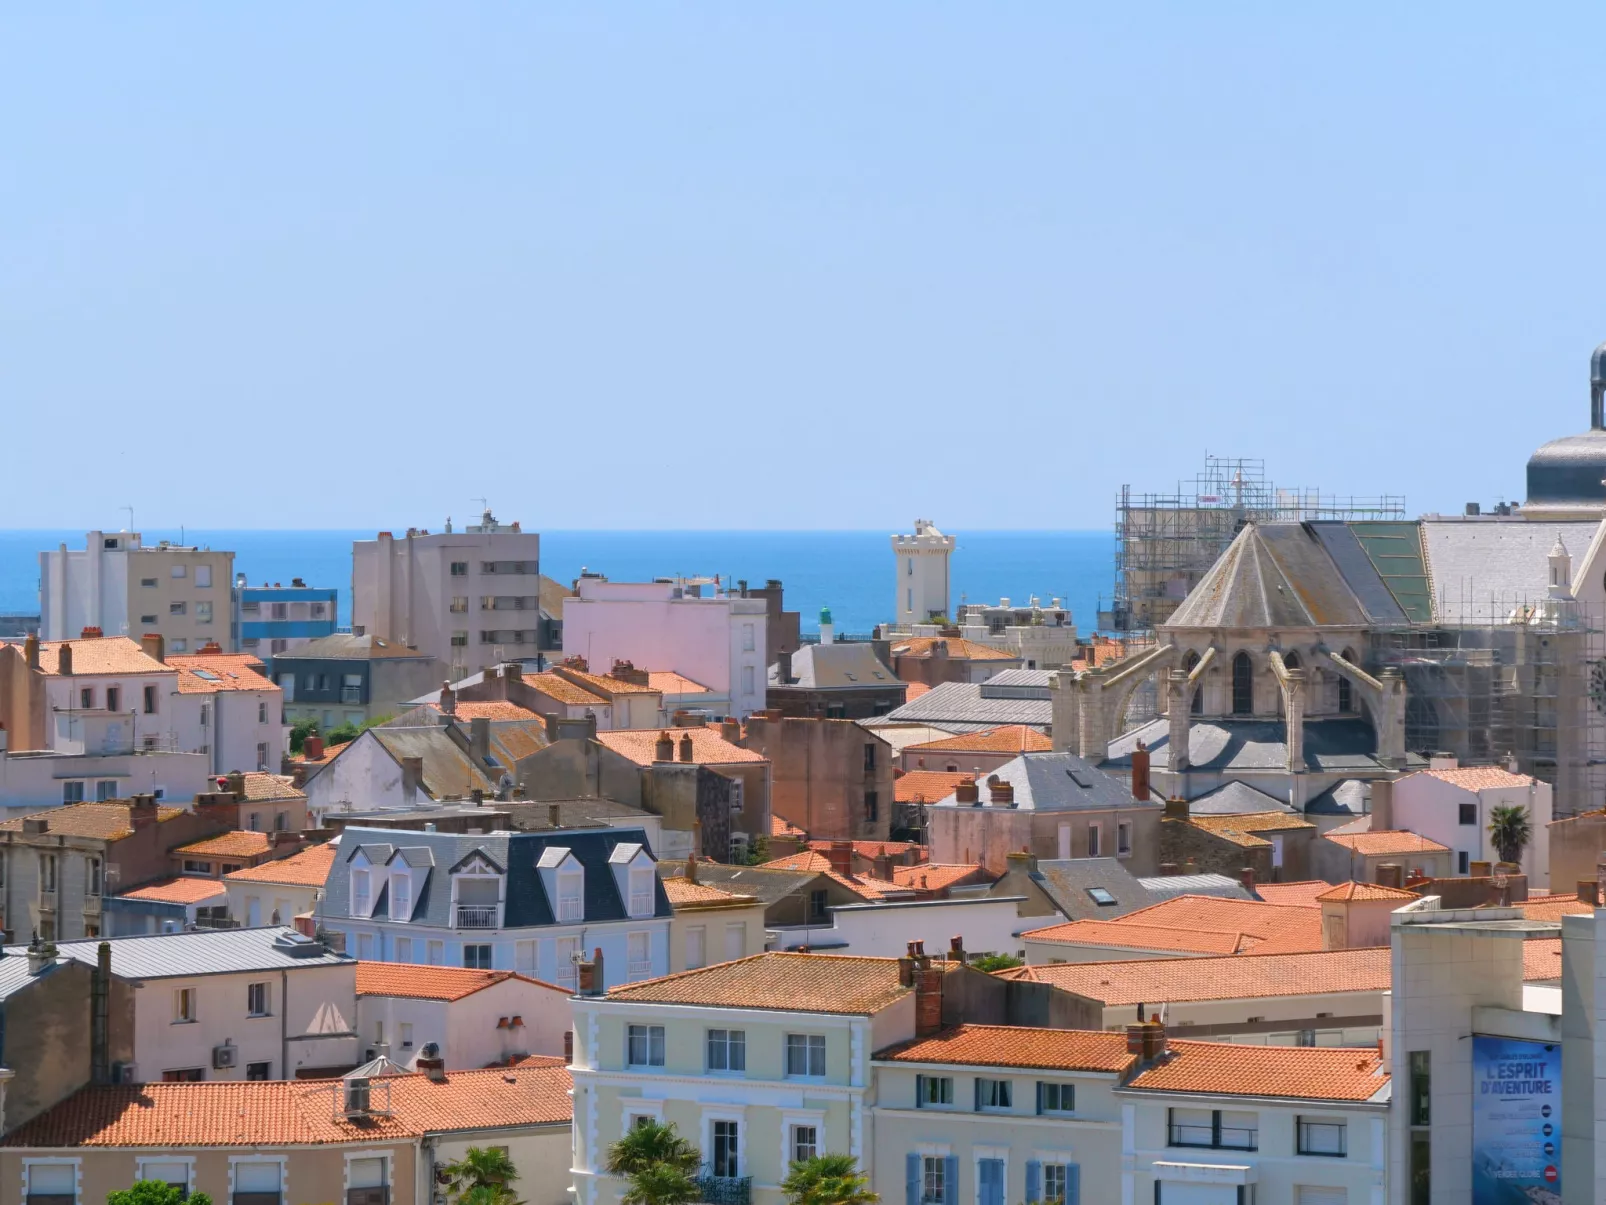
[(758, 850), (660, 1184), (660, 1165), (482, 1177), (154, 1192), (488, 1194), (995, 962), (1510, 829), (299, 732), (828, 1180), (349, 732)]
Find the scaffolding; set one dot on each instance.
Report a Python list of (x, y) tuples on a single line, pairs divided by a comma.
[(1165, 543)]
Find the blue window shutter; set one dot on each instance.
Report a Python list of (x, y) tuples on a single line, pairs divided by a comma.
[(912, 1175), (1073, 1184), (920, 1094), (1034, 1181), (976, 1083), (1039, 1098), (950, 1181)]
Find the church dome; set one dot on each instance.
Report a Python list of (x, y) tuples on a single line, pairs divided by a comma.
[(1573, 469)]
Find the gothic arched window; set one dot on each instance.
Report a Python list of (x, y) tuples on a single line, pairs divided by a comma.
[(1243, 685)]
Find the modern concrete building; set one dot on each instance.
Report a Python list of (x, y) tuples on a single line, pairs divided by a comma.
[(469, 598), (275, 619), (347, 679), (116, 585)]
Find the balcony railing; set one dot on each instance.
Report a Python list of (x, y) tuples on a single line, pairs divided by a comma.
[(1227, 1138), (725, 1190), (351, 694), (476, 916), (640, 968)]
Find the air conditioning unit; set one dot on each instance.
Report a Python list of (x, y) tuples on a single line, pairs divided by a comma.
[(125, 1073), (224, 1055)]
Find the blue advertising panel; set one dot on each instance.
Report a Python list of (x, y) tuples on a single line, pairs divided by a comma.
[(1516, 1122)]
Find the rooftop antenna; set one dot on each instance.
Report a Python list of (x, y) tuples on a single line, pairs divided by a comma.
[(485, 504), (130, 511)]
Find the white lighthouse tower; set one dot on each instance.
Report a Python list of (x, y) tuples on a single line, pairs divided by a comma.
[(922, 565)]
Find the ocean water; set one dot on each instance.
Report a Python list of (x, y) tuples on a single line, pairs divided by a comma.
[(849, 571)]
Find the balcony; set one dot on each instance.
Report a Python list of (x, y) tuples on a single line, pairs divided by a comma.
[(725, 1190), (476, 916), (639, 968), (368, 1196), (1225, 1138), (351, 694)]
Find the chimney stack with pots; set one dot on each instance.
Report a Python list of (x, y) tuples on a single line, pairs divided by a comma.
[(155, 646), (686, 747), (1140, 773), (664, 748), (840, 855), (967, 792)]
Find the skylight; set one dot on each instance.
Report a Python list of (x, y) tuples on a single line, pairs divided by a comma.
[(206, 675), (1101, 897)]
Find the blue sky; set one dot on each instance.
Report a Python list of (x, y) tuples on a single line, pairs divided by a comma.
[(791, 266)]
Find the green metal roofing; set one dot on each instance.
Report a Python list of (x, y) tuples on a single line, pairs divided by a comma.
[(1395, 550)]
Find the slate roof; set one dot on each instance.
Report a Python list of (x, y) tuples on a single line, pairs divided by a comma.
[(205, 952), (1347, 797), (848, 666), (1272, 575), (1066, 883), (343, 646), (1058, 782), (962, 707), (1220, 745), (449, 772), (1235, 799), (526, 903)]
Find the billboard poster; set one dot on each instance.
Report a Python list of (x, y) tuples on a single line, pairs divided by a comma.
[(1516, 1121)]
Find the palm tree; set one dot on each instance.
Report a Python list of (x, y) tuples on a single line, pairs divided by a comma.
[(660, 1165), (828, 1180), (488, 1194), (1510, 829), (482, 1172), (661, 1184)]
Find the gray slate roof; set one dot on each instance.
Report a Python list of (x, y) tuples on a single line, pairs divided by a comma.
[(343, 646), (1272, 575), (1166, 887), (1058, 782), (449, 772), (1347, 797), (964, 707), (1481, 569), (1219, 745), (1236, 799), (181, 955), (1066, 882), (851, 666)]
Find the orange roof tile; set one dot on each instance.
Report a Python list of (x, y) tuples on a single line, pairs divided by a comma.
[(780, 827), (1345, 892), (671, 683), (926, 786), (1478, 778), (187, 890), (266, 788), (297, 1112), (810, 861), (416, 981), (708, 748), (810, 983), (1541, 959), (564, 691), (1009, 738), (876, 849), (1293, 1072), (1385, 842), (1234, 977), (608, 685), (495, 710), (209, 673), (309, 868), (1297, 894), (1201, 922), (237, 844), (107, 821), (935, 876), (100, 655), (958, 649), (1553, 907), (1243, 830), (914, 690), (683, 893), (1017, 1046)]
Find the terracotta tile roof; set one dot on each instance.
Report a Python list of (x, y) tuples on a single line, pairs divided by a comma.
[(1201, 923), (1366, 891), (813, 862), (209, 673), (780, 827), (1478, 778), (671, 683), (1541, 959), (185, 890), (265, 788), (101, 655), (1387, 841), (810, 983), (495, 710), (309, 868), (606, 685), (1009, 738), (1553, 907), (1293, 1072), (1296, 894), (106, 821), (1017, 1046), (564, 691), (958, 649), (708, 748), (1361, 824), (1236, 977), (935, 876), (1243, 830), (876, 849), (296, 1112), (237, 844), (415, 981), (683, 893), (914, 690), (1106, 650), (926, 786)]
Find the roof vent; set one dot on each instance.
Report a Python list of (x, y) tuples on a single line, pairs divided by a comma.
[(298, 945)]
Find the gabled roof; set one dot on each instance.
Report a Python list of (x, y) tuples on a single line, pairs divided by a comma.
[(1272, 575), (766, 885), (270, 788), (1220, 745), (806, 983), (237, 844), (937, 876), (1290, 1072), (186, 889), (607, 685), (1377, 843), (1067, 883), (672, 683), (107, 821), (972, 707), (815, 863), (1057, 782), (1236, 977), (449, 772), (1304, 894), (1554, 907), (564, 691), (1017, 1046), (414, 981), (1202, 923), (277, 1113), (309, 868), (99, 656), (1347, 892), (1476, 778), (848, 666), (927, 786), (953, 647), (1236, 798), (708, 747), (1007, 738), (1246, 830), (212, 673), (204, 952), (683, 893)]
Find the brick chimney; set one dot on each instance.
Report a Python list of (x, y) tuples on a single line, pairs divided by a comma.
[(685, 747), (1588, 892), (928, 977), (590, 975), (731, 729), (433, 1068), (312, 747), (1000, 794), (448, 699), (64, 659), (155, 646), (90, 633), (883, 867), (967, 792), (1176, 808), (1390, 874), (142, 811), (840, 855), (956, 949), (1140, 773), (1146, 1041)]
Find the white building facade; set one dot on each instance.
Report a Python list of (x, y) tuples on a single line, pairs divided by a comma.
[(921, 560), (1451, 804), (471, 1018)]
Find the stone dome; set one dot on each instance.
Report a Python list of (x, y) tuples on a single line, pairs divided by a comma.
[(1573, 469)]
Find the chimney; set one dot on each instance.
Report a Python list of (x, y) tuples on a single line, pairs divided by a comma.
[(235, 783), (1167, 869), (1140, 773), (956, 949), (434, 1069), (554, 815), (883, 867), (64, 659), (1480, 870), (155, 646), (1023, 859), (412, 777), (783, 669), (928, 978), (1383, 805), (1000, 794), (691, 867), (1176, 808), (479, 740), (967, 792), (590, 974), (30, 650), (312, 747), (664, 748), (685, 747), (1246, 876), (90, 633), (141, 812), (448, 699), (840, 855), (41, 954), (100, 980), (731, 729), (1146, 1041), (1390, 874), (1588, 892)]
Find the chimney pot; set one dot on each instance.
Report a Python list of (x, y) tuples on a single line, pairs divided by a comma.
[(312, 747), (1246, 876), (1588, 892), (685, 747), (64, 659), (840, 855), (664, 748), (154, 646)]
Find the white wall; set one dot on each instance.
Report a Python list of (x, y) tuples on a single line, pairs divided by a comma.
[(365, 776), (1428, 806), (885, 930), (233, 730), (33, 782), (71, 726), (466, 1030), (84, 587), (253, 904)]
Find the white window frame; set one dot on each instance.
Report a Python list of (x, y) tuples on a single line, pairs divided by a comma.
[(808, 1042), (643, 897), (638, 968), (731, 1113), (358, 908), (398, 877), (647, 1038), (791, 1118), (187, 1160), (726, 1033), (182, 1015), (267, 998), (78, 1174), (382, 1153), (284, 1171), (563, 877)]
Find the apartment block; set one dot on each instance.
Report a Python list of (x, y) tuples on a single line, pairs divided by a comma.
[(275, 619)]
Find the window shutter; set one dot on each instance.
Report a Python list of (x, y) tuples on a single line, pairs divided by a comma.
[(950, 1181), (976, 1092), (920, 1094), (912, 1175), (1039, 1098), (1034, 1174), (1073, 1184)]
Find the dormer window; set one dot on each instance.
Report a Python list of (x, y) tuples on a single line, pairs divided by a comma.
[(641, 892), (571, 894), (362, 891), (401, 896)]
